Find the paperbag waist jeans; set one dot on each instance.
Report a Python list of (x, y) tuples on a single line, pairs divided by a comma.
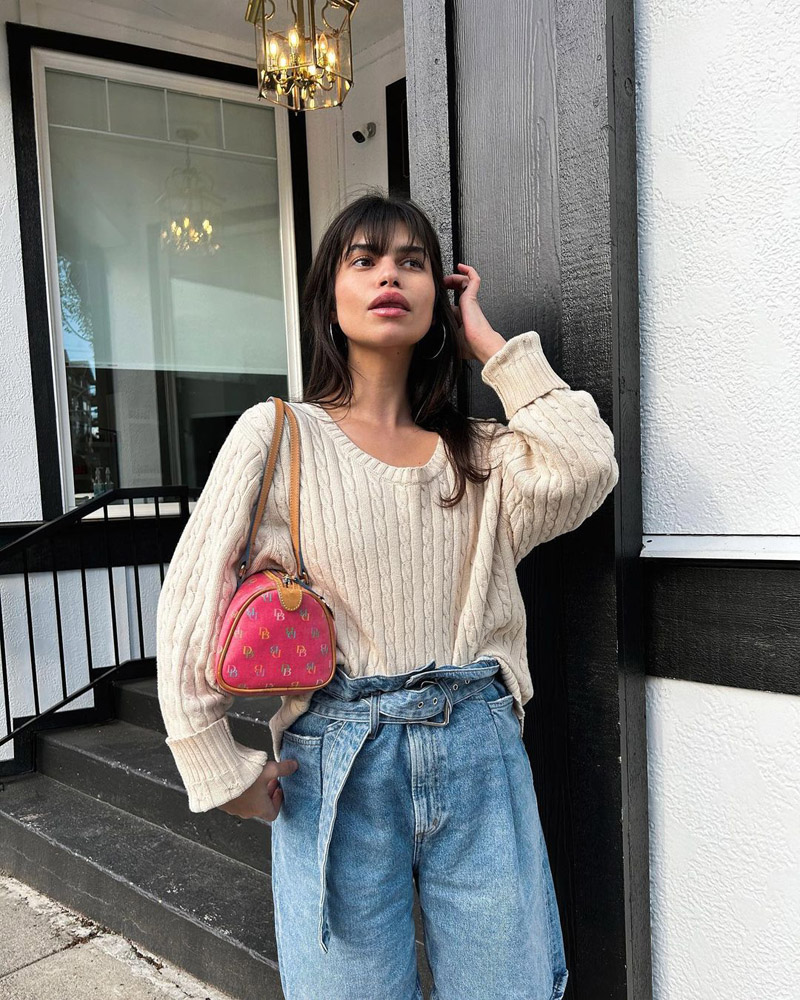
[(414, 777)]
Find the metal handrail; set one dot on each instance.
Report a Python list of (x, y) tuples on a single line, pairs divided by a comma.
[(70, 526)]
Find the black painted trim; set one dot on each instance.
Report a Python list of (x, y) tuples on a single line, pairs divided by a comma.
[(21, 39), (716, 622)]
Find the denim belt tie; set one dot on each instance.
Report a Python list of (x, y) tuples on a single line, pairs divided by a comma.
[(429, 692)]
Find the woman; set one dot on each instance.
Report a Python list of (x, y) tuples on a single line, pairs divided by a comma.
[(409, 765)]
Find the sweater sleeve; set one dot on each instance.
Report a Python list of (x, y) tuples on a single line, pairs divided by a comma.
[(197, 588), (556, 454)]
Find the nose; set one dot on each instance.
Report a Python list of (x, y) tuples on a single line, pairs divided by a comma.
[(389, 271)]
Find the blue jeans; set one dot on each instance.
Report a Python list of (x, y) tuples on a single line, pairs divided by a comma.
[(421, 775)]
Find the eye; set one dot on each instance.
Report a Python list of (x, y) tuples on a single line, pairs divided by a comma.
[(413, 260)]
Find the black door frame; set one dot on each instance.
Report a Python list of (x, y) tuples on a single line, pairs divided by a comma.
[(586, 732)]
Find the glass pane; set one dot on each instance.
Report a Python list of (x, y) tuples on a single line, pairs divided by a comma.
[(247, 129), (200, 115), (137, 110), (171, 329), (79, 101)]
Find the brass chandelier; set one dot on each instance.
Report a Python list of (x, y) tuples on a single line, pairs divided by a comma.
[(306, 62)]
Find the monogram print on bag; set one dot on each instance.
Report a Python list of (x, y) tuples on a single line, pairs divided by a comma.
[(238, 633), (258, 670), (304, 614), (252, 613), (247, 652), (291, 632), (279, 615), (285, 669), (232, 671), (275, 651), (315, 632), (323, 648), (300, 649), (311, 667), (263, 633), (295, 684)]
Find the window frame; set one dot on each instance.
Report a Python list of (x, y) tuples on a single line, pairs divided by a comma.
[(32, 51)]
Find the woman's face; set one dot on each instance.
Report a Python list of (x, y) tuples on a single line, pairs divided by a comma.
[(363, 276)]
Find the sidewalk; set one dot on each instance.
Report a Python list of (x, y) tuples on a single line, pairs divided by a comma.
[(50, 952)]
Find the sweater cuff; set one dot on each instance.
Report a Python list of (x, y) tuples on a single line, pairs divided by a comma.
[(215, 768), (519, 372)]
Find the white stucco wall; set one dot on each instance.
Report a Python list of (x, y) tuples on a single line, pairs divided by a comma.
[(19, 471), (724, 841), (718, 136)]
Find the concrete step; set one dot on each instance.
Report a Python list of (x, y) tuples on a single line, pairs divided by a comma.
[(132, 768), (136, 701), (206, 912)]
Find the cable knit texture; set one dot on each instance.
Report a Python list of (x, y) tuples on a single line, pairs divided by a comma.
[(408, 581)]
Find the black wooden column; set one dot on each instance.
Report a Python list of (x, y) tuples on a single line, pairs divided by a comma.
[(522, 146)]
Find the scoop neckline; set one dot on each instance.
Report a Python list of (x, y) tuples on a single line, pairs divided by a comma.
[(397, 473)]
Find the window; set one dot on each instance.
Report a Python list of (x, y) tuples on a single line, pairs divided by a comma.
[(169, 251)]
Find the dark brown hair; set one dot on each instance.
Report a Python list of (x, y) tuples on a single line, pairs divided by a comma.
[(431, 383)]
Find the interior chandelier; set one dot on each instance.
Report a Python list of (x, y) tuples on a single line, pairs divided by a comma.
[(188, 205), (306, 62)]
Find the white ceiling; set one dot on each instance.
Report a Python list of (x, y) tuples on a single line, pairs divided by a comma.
[(373, 19)]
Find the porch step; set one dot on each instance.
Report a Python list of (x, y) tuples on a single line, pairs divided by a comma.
[(103, 826), (204, 911), (132, 768), (137, 702)]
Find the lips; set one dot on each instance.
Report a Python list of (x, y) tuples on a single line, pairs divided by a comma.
[(392, 300)]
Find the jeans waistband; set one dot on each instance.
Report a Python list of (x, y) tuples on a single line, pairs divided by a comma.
[(421, 695)]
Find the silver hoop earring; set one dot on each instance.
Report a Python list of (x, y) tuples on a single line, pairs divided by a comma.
[(444, 338), (330, 331)]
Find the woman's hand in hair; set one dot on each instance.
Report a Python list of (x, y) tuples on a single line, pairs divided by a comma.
[(478, 339), (264, 797)]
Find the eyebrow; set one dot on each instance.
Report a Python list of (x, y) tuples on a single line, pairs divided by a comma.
[(406, 248)]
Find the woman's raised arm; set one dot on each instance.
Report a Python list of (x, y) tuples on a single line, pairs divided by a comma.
[(556, 454)]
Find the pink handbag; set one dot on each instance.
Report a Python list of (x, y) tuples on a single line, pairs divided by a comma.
[(277, 635)]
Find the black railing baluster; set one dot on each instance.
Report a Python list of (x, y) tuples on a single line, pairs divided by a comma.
[(86, 622), (111, 593), (158, 542), (23, 556), (34, 678), (59, 630), (3, 664), (136, 580)]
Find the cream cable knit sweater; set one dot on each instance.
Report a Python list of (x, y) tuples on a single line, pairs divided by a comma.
[(408, 582)]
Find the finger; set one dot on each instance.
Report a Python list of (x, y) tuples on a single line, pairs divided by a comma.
[(473, 274), (287, 766)]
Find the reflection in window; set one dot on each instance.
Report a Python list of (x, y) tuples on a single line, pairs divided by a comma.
[(163, 348)]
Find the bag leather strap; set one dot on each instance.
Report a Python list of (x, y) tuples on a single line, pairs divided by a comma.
[(282, 410)]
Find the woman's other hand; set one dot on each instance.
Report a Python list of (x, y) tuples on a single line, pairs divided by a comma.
[(264, 797), (479, 341)]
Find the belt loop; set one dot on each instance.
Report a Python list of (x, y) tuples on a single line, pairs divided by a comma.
[(374, 714)]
